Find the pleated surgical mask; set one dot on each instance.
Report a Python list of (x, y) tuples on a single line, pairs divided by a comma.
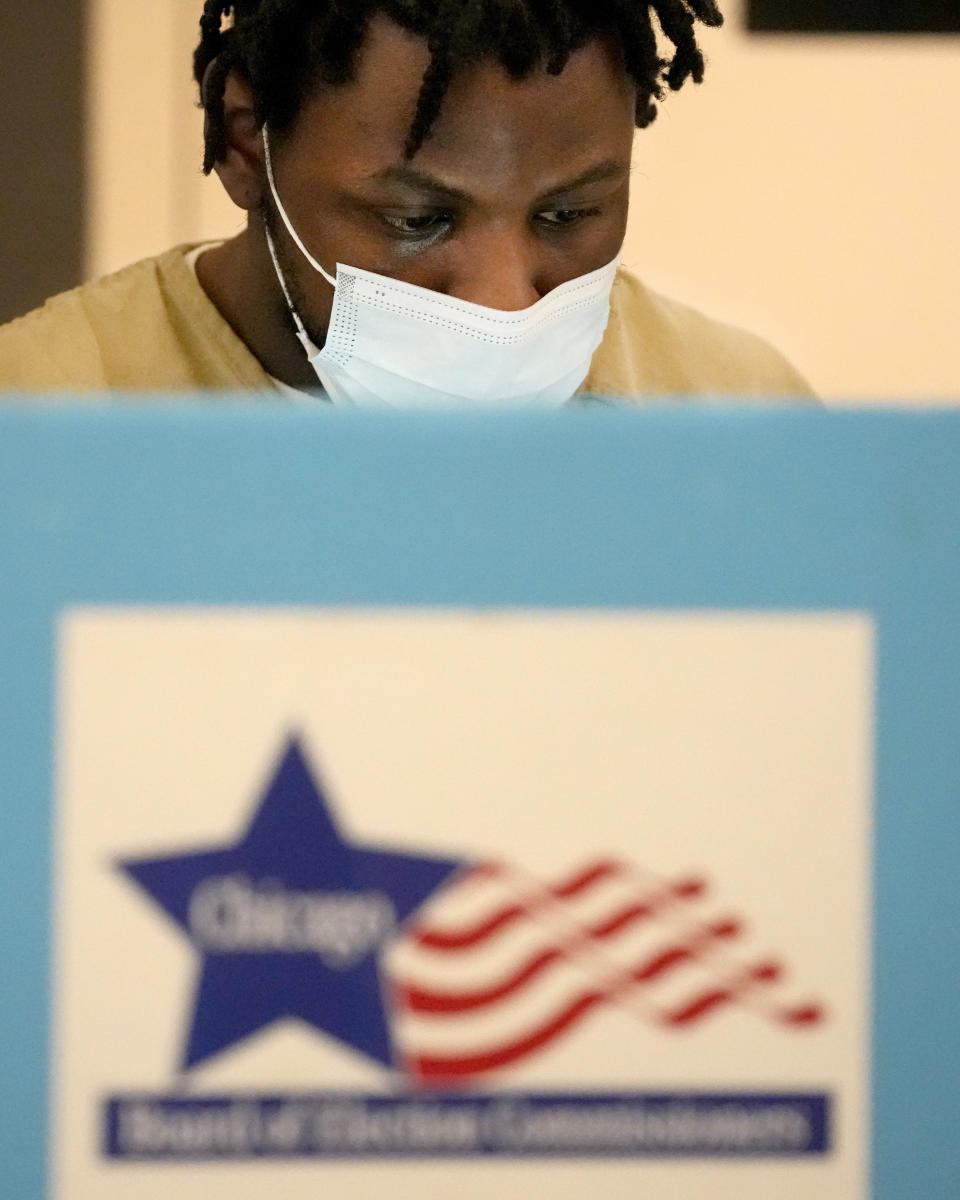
[(392, 344)]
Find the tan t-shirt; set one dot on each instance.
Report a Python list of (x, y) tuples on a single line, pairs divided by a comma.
[(152, 327)]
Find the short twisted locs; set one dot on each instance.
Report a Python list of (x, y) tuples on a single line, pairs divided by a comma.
[(287, 49)]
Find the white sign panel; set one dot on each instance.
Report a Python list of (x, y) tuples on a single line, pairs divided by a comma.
[(466, 902)]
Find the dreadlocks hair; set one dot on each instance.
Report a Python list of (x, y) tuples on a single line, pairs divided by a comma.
[(286, 49)]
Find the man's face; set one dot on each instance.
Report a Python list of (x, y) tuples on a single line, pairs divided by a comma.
[(519, 187)]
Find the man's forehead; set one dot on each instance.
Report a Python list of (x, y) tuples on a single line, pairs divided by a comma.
[(578, 118)]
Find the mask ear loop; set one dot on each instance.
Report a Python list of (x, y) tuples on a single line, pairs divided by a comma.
[(304, 338), (308, 344), (283, 213)]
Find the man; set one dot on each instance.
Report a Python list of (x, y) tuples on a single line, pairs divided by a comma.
[(437, 194)]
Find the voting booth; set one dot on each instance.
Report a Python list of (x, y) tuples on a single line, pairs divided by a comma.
[(471, 806)]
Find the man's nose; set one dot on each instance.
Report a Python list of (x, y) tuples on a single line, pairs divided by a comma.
[(498, 271)]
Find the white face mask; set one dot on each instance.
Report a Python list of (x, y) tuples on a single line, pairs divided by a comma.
[(392, 344)]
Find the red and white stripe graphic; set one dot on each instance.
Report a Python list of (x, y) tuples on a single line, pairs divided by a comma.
[(499, 966)]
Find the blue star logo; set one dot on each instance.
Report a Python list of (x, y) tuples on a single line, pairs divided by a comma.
[(291, 921)]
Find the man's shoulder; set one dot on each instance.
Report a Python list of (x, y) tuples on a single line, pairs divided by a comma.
[(656, 346), (148, 326), (67, 341)]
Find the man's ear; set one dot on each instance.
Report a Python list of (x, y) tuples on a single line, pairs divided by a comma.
[(241, 169)]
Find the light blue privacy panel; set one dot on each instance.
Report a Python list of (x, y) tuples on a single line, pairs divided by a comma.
[(249, 504)]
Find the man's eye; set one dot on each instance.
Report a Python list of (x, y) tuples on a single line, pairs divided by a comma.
[(562, 217), (417, 225)]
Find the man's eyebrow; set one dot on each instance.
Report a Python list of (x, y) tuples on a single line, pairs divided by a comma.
[(610, 169), (423, 181)]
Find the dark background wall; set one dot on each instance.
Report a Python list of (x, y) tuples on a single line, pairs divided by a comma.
[(854, 16), (41, 151)]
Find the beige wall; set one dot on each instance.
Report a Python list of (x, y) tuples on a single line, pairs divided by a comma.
[(809, 190)]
